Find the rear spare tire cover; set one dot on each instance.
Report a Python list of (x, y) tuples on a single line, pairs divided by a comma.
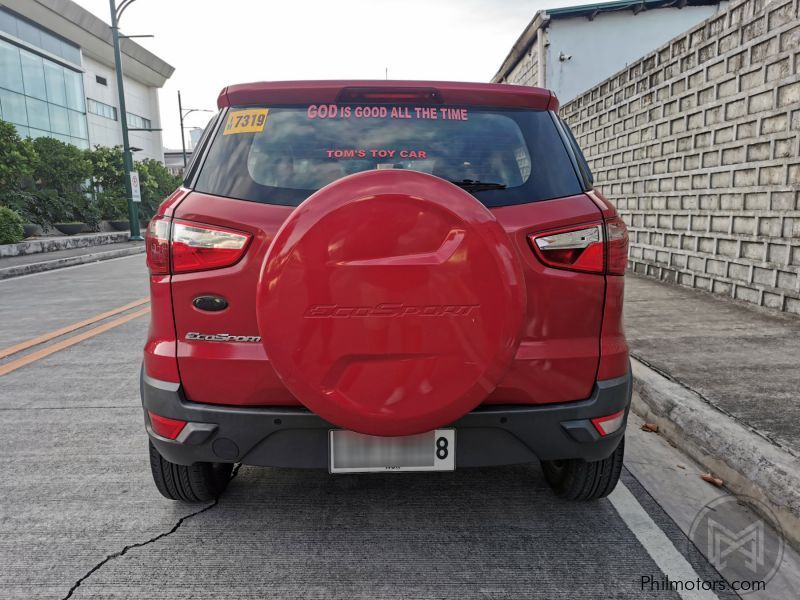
[(391, 302)]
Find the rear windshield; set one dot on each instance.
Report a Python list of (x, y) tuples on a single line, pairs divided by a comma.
[(281, 155)]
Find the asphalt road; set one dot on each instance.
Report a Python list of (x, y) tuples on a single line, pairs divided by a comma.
[(80, 517)]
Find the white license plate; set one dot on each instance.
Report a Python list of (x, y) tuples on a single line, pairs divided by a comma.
[(352, 452)]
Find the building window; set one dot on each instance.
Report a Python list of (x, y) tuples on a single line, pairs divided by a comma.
[(101, 80), (102, 109), (27, 31), (41, 97), (137, 122)]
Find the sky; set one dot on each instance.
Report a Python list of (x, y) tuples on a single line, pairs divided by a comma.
[(214, 43)]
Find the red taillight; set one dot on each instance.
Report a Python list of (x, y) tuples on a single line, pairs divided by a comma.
[(191, 246), (197, 247), (577, 249), (156, 241), (616, 246), (166, 427), (595, 248), (389, 95), (609, 424)]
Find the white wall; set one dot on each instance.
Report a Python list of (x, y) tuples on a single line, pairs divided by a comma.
[(140, 99), (604, 46)]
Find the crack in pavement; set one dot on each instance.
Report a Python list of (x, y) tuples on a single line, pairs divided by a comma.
[(124, 551)]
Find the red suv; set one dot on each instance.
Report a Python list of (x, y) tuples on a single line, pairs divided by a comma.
[(386, 276)]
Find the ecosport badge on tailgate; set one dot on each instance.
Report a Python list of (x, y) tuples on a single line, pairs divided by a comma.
[(221, 337), (389, 309)]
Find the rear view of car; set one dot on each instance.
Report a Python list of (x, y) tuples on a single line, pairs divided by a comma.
[(384, 276)]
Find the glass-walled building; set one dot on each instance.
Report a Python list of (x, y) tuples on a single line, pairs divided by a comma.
[(57, 78), (41, 93)]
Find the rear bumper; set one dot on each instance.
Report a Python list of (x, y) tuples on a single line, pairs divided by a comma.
[(296, 437)]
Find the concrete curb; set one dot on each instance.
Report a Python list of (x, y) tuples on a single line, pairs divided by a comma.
[(750, 464), (54, 244), (70, 261)]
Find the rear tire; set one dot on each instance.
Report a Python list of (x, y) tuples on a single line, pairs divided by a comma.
[(200, 482), (577, 479)]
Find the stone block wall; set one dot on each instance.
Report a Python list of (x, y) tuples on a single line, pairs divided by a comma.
[(526, 71), (698, 146)]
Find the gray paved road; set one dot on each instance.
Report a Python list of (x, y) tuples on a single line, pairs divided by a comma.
[(79, 514), (35, 304)]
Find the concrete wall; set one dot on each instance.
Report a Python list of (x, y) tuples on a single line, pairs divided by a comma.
[(141, 100), (601, 47), (698, 145), (526, 71)]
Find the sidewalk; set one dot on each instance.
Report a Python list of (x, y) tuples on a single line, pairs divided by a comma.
[(722, 382), (26, 264), (740, 360), (54, 243)]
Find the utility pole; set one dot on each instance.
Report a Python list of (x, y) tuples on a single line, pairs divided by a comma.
[(183, 140), (185, 112), (127, 158)]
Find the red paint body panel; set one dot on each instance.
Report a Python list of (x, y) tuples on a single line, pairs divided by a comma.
[(326, 92), (160, 357), (556, 361), (168, 206), (614, 361), (614, 354), (541, 334)]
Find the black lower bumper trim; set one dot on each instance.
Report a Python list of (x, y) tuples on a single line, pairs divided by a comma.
[(298, 438)]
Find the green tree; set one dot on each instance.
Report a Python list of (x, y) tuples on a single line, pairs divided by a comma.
[(108, 182), (157, 183), (17, 159), (61, 171), (60, 167), (108, 171)]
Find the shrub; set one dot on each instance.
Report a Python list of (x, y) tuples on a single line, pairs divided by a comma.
[(59, 166), (51, 208), (81, 210), (42, 207), (21, 202), (11, 230), (113, 205), (17, 159)]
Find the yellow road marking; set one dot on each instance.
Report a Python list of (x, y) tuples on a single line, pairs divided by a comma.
[(68, 329), (71, 341)]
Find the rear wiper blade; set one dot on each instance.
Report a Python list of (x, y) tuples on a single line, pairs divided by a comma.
[(477, 186)]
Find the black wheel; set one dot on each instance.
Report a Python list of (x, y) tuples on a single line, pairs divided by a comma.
[(577, 479), (200, 482)]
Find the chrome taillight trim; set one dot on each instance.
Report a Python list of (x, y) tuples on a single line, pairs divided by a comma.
[(571, 240), (206, 237)]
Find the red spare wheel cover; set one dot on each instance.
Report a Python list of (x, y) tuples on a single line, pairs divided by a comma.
[(391, 302)]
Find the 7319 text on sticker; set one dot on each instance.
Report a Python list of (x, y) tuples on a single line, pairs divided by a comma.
[(430, 113), (247, 120)]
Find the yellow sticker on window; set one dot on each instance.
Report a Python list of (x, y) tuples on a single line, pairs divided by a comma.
[(248, 120)]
